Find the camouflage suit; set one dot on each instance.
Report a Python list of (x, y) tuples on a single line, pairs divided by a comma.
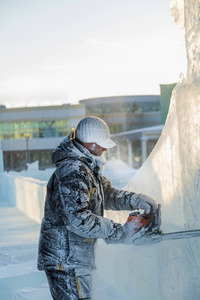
[(77, 195)]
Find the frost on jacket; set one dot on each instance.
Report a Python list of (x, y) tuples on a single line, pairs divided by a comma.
[(77, 195)]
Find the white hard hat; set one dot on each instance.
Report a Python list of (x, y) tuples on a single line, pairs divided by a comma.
[(94, 130)]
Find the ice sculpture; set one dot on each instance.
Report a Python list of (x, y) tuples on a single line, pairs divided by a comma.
[(171, 174)]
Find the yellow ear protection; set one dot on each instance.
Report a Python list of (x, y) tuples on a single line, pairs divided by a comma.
[(72, 135)]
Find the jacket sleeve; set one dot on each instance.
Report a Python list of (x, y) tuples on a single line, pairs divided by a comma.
[(74, 196), (118, 199)]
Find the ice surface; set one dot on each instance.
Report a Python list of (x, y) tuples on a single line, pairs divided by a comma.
[(171, 175), (177, 11), (18, 252)]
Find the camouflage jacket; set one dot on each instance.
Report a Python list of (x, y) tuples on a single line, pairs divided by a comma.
[(77, 195)]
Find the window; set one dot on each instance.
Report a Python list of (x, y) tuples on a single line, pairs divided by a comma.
[(35, 129)]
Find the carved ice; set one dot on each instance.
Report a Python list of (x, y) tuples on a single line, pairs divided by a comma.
[(171, 175)]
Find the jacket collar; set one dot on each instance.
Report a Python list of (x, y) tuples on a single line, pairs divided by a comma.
[(72, 149)]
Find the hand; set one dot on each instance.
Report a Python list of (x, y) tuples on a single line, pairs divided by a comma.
[(149, 205), (125, 234), (136, 223), (155, 219), (130, 228), (144, 202), (131, 234)]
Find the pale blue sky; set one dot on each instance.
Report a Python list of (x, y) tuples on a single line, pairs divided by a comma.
[(61, 51)]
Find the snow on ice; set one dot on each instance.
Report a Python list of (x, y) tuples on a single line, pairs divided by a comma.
[(171, 175)]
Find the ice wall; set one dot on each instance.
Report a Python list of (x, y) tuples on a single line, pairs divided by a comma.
[(27, 194), (171, 175), (172, 172)]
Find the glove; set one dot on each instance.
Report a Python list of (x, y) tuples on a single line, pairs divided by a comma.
[(139, 201), (125, 234), (130, 228), (155, 220), (136, 226), (117, 236), (131, 232), (149, 205)]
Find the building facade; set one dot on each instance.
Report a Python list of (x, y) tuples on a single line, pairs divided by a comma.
[(32, 133), (124, 113)]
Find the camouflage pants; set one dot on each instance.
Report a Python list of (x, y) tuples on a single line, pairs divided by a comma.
[(69, 285)]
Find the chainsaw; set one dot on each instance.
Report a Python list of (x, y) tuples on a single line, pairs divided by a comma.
[(142, 220)]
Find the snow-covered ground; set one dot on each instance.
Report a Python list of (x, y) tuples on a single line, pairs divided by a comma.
[(19, 277)]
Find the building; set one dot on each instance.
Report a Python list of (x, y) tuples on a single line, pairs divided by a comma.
[(31, 133), (123, 113), (134, 146)]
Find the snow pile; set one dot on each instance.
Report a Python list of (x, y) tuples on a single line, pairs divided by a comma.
[(34, 172), (117, 171)]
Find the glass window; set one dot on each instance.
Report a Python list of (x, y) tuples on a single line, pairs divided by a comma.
[(41, 129)]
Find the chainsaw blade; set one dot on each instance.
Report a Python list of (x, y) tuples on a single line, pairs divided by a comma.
[(159, 236)]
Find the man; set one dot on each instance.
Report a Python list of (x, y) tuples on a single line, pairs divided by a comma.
[(77, 195)]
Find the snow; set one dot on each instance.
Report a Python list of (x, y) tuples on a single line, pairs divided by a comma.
[(115, 170), (118, 172), (171, 175), (33, 172)]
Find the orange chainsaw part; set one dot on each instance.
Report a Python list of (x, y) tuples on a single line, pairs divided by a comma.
[(139, 220)]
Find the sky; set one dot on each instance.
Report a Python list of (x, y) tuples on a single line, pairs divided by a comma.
[(62, 51)]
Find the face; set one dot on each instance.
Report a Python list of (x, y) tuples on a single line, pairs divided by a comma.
[(95, 149)]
